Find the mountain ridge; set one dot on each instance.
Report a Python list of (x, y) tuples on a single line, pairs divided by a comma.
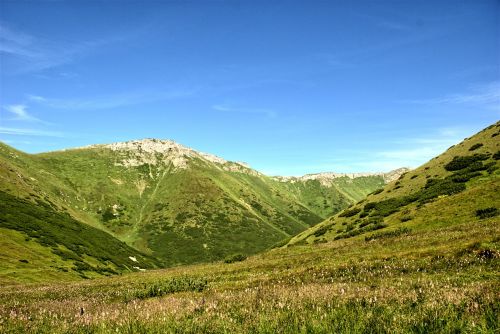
[(171, 202), (324, 177), (164, 146)]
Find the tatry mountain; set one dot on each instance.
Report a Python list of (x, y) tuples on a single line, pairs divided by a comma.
[(420, 255), (130, 206)]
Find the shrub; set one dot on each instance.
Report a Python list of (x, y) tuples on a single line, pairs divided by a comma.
[(320, 231), (475, 147), (460, 162), (67, 255), (440, 187), (82, 266), (405, 218), (378, 191), (176, 284), (496, 156), (369, 206), (491, 169), (235, 258), (464, 176), (486, 213), (473, 167), (349, 228), (371, 220), (350, 213), (389, 206), (108, 215)]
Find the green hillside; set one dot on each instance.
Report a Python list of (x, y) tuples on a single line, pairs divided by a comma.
[(431, 266), (330, 198), (456, 187), (82, 250), (176, 205)]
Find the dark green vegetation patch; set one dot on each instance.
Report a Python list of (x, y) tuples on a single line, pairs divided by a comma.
[(235, 258), (168, 286), (465, 167), (475, 146), (350, 213), (459, 163), (55, 230), (487, 213)]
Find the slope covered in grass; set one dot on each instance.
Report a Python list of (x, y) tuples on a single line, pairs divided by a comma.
[(439, 280), (83, 250), (174, 203), (452, 188), (433, 269), (335, 195)]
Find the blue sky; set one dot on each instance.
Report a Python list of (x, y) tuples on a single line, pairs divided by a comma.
[(291, 87)]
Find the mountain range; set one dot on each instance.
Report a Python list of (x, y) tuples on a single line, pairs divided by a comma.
[(417, 255), (136, 205)]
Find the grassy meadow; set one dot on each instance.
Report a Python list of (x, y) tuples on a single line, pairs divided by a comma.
[(442, 279)]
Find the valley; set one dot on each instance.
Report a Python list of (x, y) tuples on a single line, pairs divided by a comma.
[(420, 255), (169, 202)]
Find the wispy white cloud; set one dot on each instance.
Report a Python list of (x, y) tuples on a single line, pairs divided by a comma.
[(405, 152), (390, 23), (34, 53), (112, 101), (29, 132), (15, 43), (409, 156), (20, 113), (485, 95), (416, 151), (227, 108)]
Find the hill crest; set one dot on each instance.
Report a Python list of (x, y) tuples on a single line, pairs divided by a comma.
[(325, 178)]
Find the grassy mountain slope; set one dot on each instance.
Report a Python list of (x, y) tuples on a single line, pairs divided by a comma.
[(452, 188), (179, 215), (436, 272), (179, 209), (44, 239), (73, 248)]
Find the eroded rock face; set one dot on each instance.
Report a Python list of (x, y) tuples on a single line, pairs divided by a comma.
[(156, 151), (395, 174)]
